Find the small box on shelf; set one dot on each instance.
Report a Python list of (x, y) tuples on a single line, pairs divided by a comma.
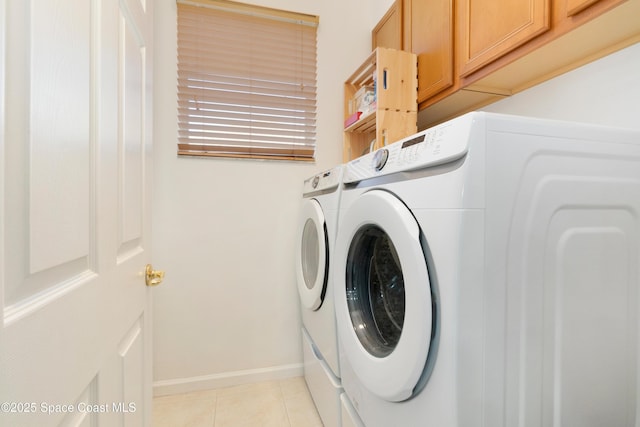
[(363, 101), (352, 119)]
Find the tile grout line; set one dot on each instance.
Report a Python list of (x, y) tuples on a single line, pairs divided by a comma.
[(284, 402), (215, 410)]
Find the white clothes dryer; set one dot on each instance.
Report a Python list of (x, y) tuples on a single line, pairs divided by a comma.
[(487, 274), (317, 231)]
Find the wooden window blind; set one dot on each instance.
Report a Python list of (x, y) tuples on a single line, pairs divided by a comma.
[(246, 81)]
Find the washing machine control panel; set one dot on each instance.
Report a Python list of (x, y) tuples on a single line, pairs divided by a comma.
[(431, 147), (323, 181), (380, 158)]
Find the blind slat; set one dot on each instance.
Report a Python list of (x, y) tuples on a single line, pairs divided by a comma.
[(196, 61), (255, 134), (246, 85), (267, 104), (228, 123), (245, 152), (212, 83), (238, 127), (210, 144), (220, 114)]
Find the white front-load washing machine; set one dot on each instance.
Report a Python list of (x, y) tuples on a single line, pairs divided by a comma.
[(317, 231), (487, 274)]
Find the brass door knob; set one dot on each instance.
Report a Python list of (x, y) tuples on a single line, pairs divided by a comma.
[(153, 277)]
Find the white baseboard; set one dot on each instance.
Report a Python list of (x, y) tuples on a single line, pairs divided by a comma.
[(227, 379)]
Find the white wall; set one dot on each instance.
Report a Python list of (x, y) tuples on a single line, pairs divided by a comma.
[(604, 92), (224, 230)]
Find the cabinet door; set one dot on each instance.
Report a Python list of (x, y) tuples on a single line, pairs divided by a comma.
[(429, 34), (490, 28), (388, 32)]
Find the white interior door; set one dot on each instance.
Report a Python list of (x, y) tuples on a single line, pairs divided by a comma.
[(75, 144)]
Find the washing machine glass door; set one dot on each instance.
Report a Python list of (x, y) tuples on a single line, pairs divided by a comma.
[(383, 295), (312, 255)]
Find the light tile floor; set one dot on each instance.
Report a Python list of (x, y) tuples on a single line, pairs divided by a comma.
[(280, 403)]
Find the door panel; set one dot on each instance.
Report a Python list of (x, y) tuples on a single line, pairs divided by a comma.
[(389, 32), (131, 355), (490, 28), (431, 38), (131, 138), (88, 399), (75, 178), (59, 136), (48, 145)]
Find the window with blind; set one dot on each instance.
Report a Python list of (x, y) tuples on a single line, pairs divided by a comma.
[(246, 81)]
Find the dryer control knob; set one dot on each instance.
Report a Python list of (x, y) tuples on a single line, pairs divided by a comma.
[(380, 158)]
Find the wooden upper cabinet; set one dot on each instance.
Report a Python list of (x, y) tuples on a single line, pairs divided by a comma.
[(488, 29), (474, 52), (388, 32), (429, 34), (577, 6)]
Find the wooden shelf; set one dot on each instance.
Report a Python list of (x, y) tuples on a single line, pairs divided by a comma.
[(393, 75), (366, 123)]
